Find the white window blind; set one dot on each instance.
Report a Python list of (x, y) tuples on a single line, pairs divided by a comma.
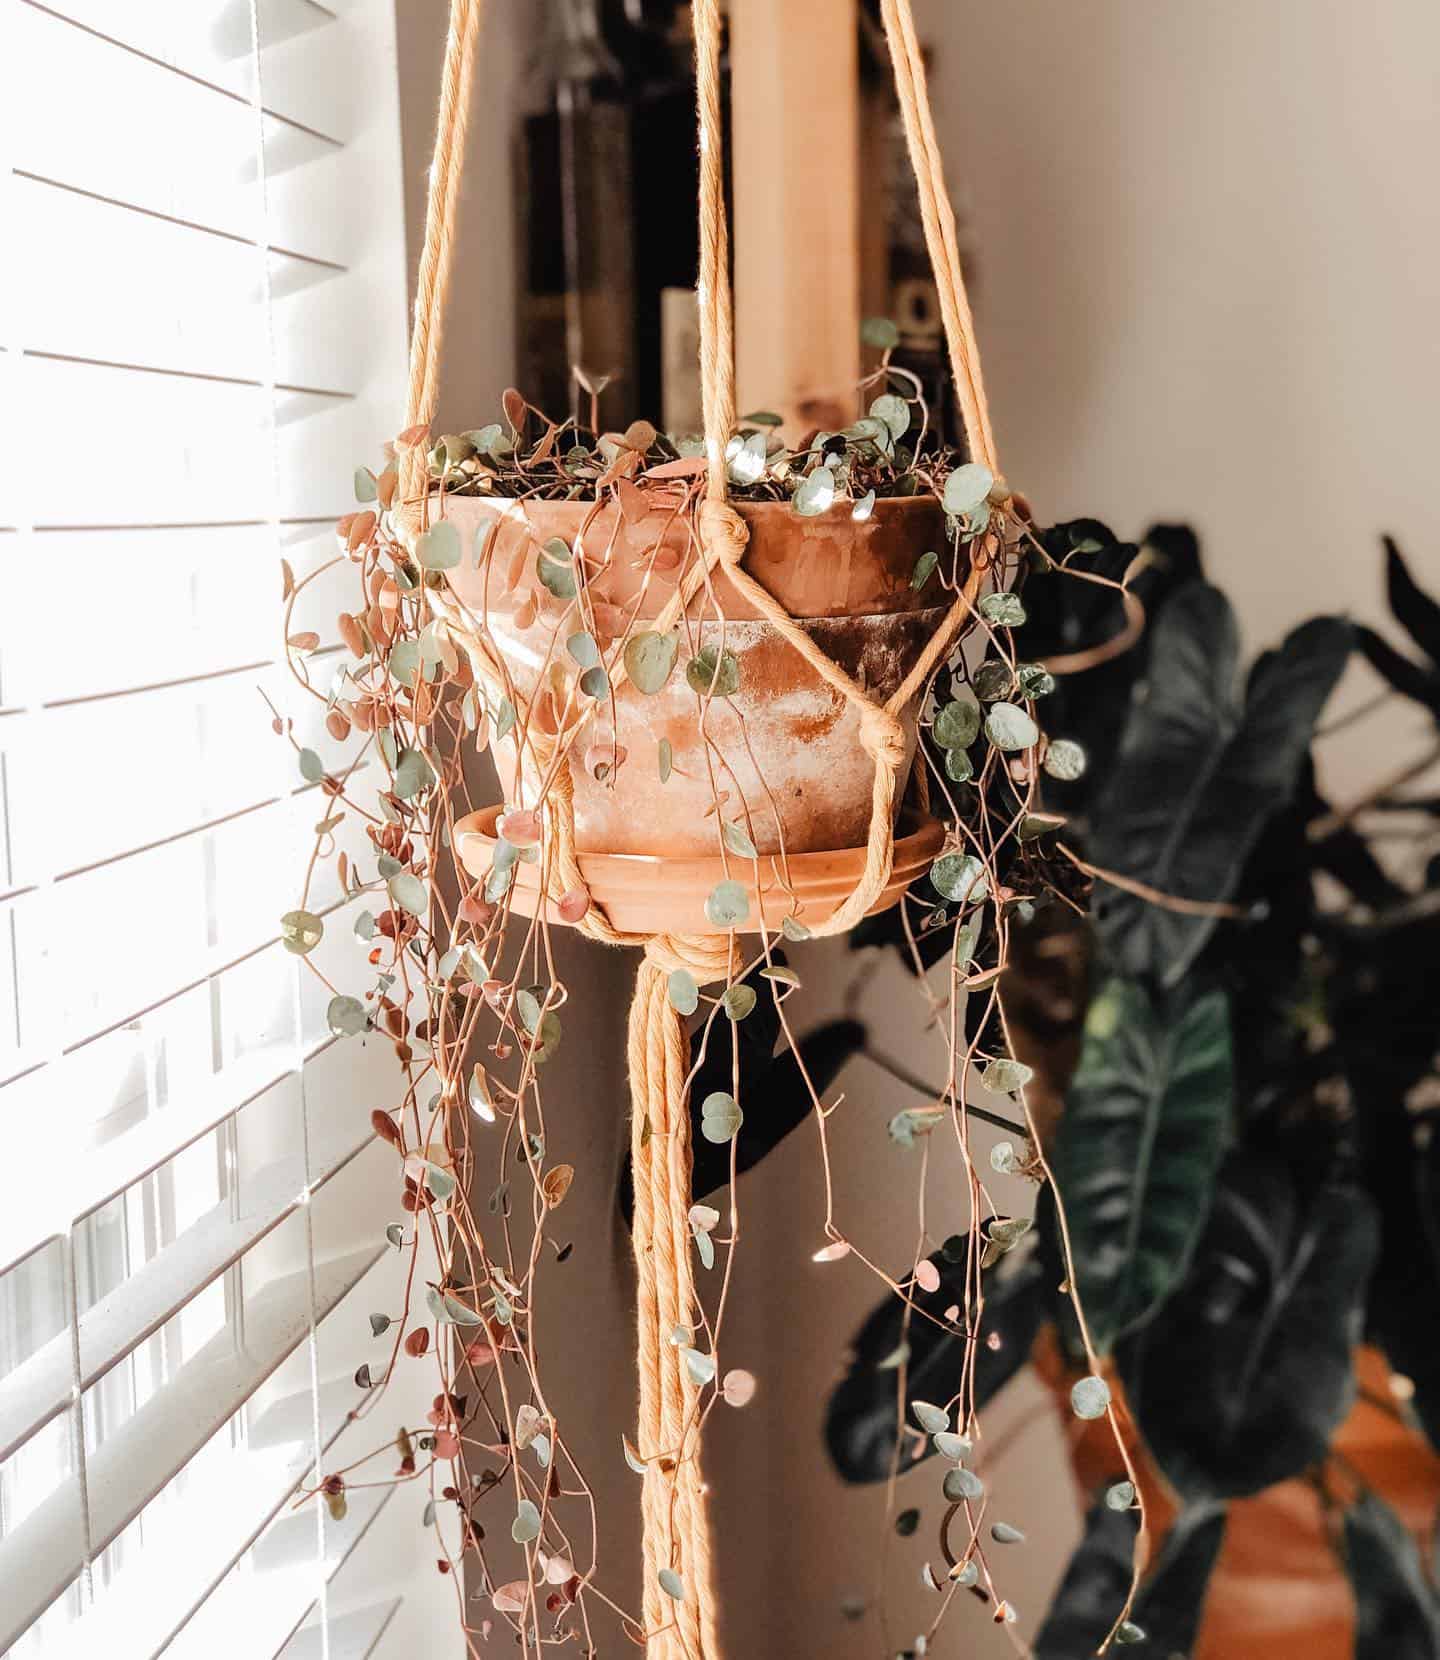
[(203, 326)]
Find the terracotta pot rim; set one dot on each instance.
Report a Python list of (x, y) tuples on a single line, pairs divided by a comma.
[(580, 505), (658, 893)]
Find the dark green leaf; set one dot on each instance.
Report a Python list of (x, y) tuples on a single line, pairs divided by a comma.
[(1416, 612), (1397, 1615), (1093, 1589), (1245, 1374), (1198, 774), (1145, 1121)]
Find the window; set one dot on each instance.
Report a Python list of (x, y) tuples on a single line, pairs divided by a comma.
[(203, 329)]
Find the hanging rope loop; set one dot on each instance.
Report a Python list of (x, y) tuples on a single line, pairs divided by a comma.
[(705, 956)]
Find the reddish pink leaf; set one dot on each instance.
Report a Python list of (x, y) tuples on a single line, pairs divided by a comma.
[(687, 466), (573, 905), (520, 828)]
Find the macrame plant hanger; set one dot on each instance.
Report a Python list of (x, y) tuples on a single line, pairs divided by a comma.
[(674, 1509)]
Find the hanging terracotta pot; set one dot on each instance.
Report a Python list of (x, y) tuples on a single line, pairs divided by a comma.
[(781, 752), (690, 696)]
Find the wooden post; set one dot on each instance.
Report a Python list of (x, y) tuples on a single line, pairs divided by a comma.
[(796, 150)]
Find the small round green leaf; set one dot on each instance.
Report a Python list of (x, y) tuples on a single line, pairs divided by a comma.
[(438, 549), (713, 673), (925, 567), (558, 578), (301, 932), (992, 679), (1035, 680), (1090, 1398), (649, 658), (738, 1001), (959, 768), (526, 1525), (816, 493), (934, 1420), (957, 725), (701, 1367), (1120, 1495), (1003, 610), (413, 774), (720, 1117), (881, 332), (409, 893), (1008, 727), (963, 1484), (1065, 760), (671, 1584), (960, 877), (894, 412), (967, 487), (683, 992), (737, 841), (954, 1447), (728, 905), (1003, 1158), (346, 1016), (1004, 1076), (583, 650)]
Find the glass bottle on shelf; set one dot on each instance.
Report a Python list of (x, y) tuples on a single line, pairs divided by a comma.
[(575, 293)]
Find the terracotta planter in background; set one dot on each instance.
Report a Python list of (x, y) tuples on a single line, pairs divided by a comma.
[(1279, 1588), (785, 755)]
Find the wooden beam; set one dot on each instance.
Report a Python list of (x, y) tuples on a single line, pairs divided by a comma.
[(796, 154)]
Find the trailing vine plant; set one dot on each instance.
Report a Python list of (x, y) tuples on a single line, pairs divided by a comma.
[(465, 989)]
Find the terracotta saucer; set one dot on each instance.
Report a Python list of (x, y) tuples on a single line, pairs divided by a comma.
[(647, 894)]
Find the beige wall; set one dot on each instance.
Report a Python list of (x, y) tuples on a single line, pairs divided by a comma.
[(1209, 235)]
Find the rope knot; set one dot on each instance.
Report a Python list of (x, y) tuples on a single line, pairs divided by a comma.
[(706, 956), (882, 736), (723, 530)]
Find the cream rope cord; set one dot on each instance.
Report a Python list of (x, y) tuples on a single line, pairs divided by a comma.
[(673, 1504)]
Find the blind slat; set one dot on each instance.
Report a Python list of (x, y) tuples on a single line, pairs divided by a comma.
[(151, 1609), (39, 1390), (41, 1557), (252, 1616), (106, 1172), (353, 1636)]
